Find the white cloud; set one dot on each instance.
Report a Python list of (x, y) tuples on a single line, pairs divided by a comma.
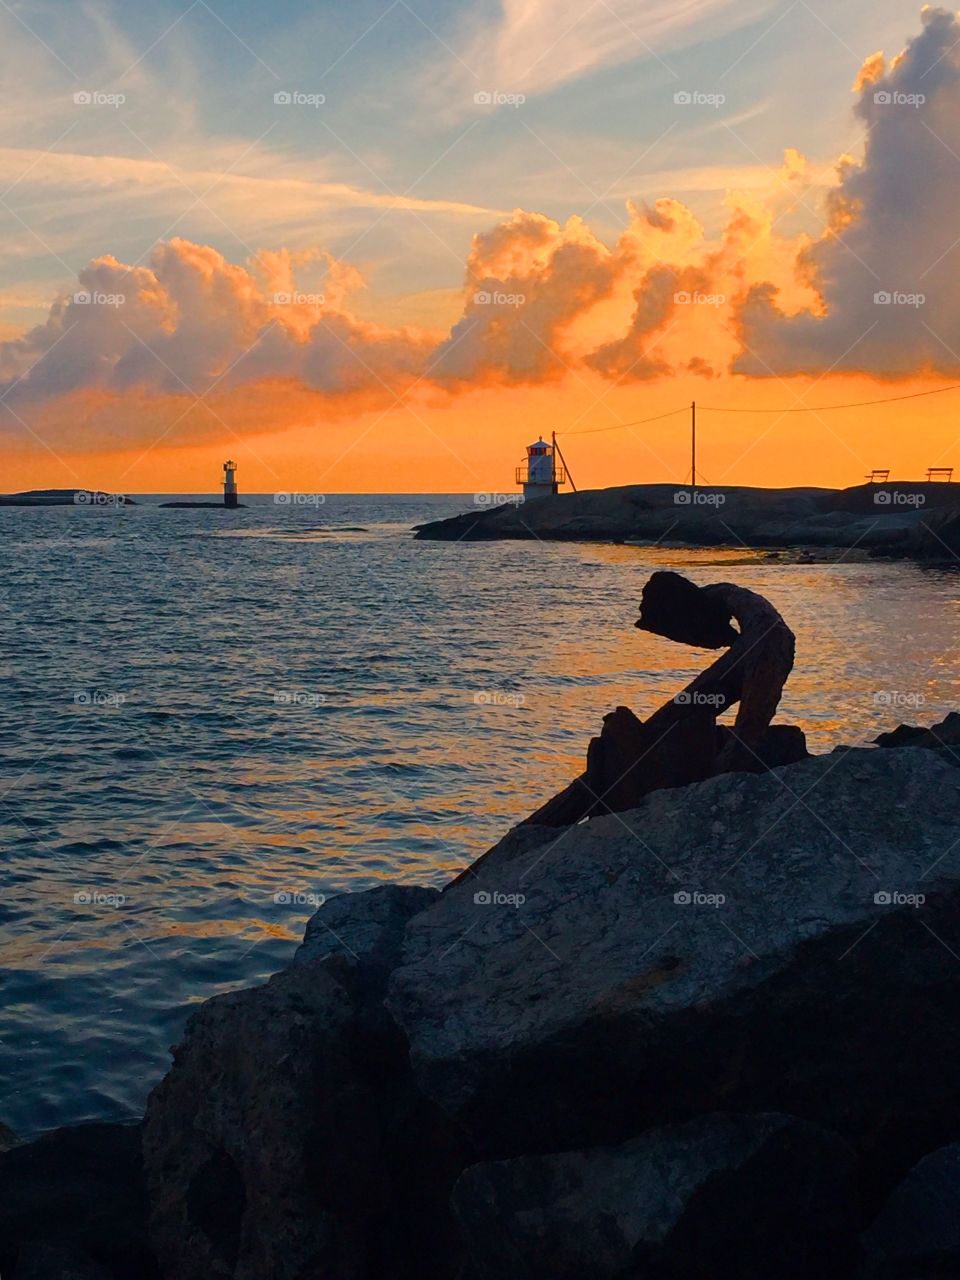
[(538, 45), (887, 269)]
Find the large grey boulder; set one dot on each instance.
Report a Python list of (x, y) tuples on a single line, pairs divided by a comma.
[(749, 942), (262, 1145), (366, 927), (288, 1139), (918, 1230), (732, 1197)]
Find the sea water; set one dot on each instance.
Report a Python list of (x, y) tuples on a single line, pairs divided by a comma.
[(211, 720)]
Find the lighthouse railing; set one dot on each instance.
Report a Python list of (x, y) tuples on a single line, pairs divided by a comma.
[(523, 474)]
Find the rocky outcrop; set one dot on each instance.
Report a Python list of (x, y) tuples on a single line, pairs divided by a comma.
[(732, 1197), (907, 518), (65, 498), (261, 1145), (937, 534), (367, 928), (749, 942), (281, 1142), (944, 736), (918, 1230), (75, 1200)]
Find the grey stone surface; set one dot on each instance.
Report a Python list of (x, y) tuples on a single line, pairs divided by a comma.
[(740, 1196), (367, 927), (578, 1000)]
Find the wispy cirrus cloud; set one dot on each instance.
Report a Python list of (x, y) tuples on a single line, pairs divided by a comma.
[(268, 188), (534, 46)]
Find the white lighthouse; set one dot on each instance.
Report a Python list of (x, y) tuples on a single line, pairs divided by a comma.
[(539, 474), (229, 484)]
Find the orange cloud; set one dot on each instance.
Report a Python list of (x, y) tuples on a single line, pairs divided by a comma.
[(192, 324)]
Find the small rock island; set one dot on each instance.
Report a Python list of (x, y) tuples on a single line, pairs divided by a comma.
[(65, 498), (896, 518)]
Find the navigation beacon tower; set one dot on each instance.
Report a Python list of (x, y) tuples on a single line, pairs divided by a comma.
[(229, 484), (540, 475)]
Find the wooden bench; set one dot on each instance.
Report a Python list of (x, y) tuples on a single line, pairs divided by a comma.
[(878, 476), (940, 473)]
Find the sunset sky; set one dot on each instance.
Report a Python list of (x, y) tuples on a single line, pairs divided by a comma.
[(382, 246)]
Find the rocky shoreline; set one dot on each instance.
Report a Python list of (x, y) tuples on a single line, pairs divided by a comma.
[(712, 1036), (908, 519)]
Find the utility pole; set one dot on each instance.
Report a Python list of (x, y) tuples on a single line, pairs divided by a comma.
[(558, 454), (693, 444)]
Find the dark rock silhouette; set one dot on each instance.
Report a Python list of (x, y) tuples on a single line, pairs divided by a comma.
[(77, 1195), (262, 1146), (937, 535), (917, 1233), (732, 1197), (65, 498), (288, 1139), (943, 737), (902, 518)]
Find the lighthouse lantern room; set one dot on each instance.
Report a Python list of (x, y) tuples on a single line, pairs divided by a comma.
[(229, 484), (540, 475)]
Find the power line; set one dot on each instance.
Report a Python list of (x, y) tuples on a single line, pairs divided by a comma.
[(824, 408), (619, 426), (807, 408)]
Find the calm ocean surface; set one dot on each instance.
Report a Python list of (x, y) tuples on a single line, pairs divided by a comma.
[(208, 718)]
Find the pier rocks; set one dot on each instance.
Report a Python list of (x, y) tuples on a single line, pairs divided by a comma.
[(289, 1140)]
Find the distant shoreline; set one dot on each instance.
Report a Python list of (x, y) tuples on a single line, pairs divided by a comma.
[(900, 518), (66, 498)]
